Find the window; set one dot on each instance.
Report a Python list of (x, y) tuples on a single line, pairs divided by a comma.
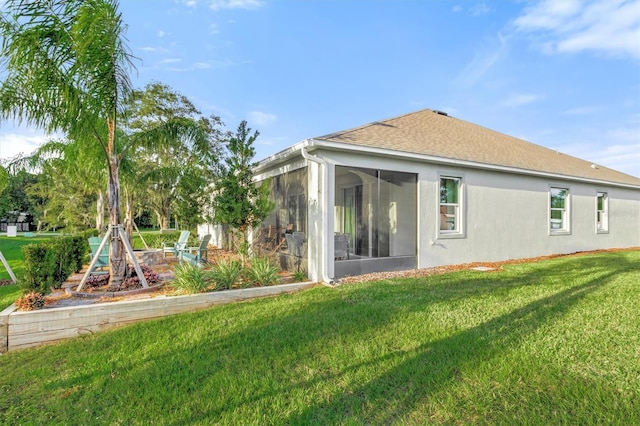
[(602, 212), (559, 218), (449, 205)]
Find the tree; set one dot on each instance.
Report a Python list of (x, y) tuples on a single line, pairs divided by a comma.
[(4, 178), (176, 152), (14, 198), (72, 171), (239, 201), (67, 69)]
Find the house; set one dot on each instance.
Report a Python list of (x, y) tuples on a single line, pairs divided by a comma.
[(426, 189)]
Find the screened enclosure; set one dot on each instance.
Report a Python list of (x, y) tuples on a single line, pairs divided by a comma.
[(284, 232), (375, 220)]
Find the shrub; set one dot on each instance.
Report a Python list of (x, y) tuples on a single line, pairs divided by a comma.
[(300, 276), (48, 264), (158, 240), (31, 301), (63, 260), (95, 281), (38, 268), (261, 272), (190, 278), (225, 273)]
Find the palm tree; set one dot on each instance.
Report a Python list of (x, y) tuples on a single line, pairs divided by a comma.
[(67, 69), (78, 168)]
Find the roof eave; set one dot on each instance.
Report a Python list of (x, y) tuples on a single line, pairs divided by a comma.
[(281, 157), (319, 142)]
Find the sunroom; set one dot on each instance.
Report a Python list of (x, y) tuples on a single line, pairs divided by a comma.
[(362, 219)]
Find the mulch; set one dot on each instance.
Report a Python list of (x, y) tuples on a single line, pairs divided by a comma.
[(484, 266)]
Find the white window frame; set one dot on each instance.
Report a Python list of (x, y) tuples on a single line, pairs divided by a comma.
[(565, 225), (458, 231), (602, 225)]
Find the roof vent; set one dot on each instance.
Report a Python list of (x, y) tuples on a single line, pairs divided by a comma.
[(440, 112), (593, 166)]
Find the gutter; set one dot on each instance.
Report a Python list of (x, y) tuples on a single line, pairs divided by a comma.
[(325, 211)]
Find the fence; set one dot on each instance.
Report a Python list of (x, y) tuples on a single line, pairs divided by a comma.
[(21, 226)]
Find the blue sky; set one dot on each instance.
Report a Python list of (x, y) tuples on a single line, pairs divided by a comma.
[(563, 74)]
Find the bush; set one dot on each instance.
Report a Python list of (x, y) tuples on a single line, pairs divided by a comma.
[(225, 273), (131, 282), (300, 276), (31, 301), (63, 262), (38, 268), (158, 240), (261, 272), (48, 264), (190, 278)]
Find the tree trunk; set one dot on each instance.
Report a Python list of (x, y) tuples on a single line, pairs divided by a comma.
[(166, 218), (117, 259), (100, 211), (129, 216)]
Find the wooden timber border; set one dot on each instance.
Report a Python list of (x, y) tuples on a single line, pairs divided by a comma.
[(23, 329)]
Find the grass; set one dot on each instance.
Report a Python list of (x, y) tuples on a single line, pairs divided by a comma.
[(552, 342), (11, 249)]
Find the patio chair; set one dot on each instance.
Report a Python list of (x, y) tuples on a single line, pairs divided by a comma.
[(196, 255), (103, 256), (175, 248), (341, 246)]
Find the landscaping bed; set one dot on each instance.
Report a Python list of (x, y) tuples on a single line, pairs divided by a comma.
[(68, 317)]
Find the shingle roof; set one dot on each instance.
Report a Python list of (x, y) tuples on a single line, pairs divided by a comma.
[(433, 133)]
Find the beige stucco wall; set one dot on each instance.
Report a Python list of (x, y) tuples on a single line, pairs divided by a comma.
[(506, 215)]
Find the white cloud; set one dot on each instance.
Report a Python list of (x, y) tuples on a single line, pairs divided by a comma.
[(624, 157), (12, 144), (606, 26), (484, 60), (519, 99), (583, 110), (457, 8), (261, 118), (235, 4), (151, 49), (203, 65), (214, 29), (170, 60), (479, 9), (617, 148)]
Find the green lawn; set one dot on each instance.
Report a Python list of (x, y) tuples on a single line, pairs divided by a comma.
[(552, 342), (10, 247)]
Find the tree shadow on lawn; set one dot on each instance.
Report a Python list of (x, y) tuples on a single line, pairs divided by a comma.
[(283, 361)]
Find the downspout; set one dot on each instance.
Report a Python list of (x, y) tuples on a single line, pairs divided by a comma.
[(325, 212)]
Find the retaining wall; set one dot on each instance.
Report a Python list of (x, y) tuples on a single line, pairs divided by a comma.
[(23, 329)]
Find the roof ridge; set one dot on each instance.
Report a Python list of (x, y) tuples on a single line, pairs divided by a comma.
[(373, 123)]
